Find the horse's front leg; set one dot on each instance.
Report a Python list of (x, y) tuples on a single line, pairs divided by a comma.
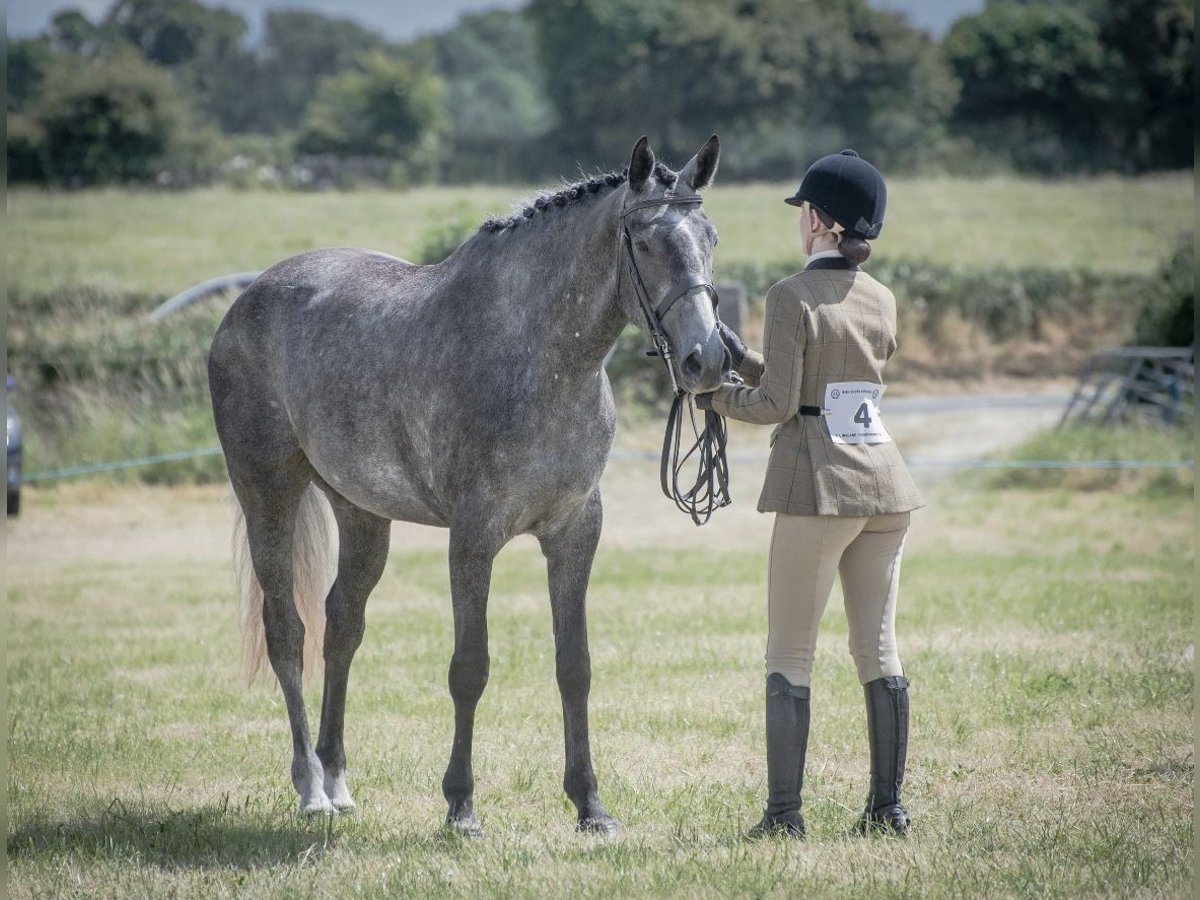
[(471, 558), (569, 551)]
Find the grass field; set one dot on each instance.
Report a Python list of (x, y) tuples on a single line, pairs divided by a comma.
[(162, 243), (1048, 636)]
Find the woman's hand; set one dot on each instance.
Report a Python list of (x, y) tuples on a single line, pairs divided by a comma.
[(733, 343)]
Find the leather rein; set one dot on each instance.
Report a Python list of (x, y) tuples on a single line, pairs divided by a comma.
[(710, 488)]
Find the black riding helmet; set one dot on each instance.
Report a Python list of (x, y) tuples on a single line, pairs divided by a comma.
[(849, 190)]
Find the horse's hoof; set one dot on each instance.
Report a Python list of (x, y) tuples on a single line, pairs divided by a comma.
[(317, 807), (598, 825), (345, 807), (338, 793), (467, 827)]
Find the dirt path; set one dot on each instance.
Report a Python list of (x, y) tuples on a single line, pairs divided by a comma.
[(940, 429)]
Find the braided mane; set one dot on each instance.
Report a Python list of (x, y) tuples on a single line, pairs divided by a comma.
[(574, 193)]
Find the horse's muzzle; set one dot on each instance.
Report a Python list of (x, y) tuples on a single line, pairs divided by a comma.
[(704, 366)]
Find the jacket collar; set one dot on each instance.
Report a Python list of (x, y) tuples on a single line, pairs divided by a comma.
[(833, 261)]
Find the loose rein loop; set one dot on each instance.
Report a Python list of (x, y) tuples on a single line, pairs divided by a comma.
[(710, 488)]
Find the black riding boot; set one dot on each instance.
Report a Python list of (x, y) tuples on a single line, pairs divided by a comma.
[(887, 731), (787, 741)]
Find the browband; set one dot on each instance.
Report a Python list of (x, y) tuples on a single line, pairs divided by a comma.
[(661, 201)]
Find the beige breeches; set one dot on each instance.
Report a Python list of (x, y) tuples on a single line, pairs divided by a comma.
[(806, 553)]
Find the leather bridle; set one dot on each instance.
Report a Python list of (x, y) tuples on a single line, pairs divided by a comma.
[(710, 489), (653, 312)]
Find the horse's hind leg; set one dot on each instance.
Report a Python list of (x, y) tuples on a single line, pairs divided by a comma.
[(362, 554), (270, 503), (569, 549), (471, 555)]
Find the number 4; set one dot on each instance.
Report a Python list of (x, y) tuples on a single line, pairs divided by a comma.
[(863, 416)]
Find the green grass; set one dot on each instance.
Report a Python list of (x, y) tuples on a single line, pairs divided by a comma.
[(97, 383), (1049, 646), (161, 243), (1148, 441), (98, 429)]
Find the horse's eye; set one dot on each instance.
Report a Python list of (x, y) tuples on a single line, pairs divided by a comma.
[(641, 245)]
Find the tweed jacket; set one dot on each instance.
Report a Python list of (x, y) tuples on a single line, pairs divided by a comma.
[(822, 325)]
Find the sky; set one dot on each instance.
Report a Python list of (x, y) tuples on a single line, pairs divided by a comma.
[(404, 19)]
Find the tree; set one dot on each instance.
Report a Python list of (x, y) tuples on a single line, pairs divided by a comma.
[(70, 31), (28, 60), (389, 107), (1153, 83), (896, 92), (1082, 85), (784, 80), (1033, 85), (176, 33), (201, 46), (493, 78), (24, 139), (584, 46), (113, 120), (806, 79), (299, 50), (495, 99)]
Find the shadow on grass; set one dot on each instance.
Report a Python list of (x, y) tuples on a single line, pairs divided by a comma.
[(219, 836)]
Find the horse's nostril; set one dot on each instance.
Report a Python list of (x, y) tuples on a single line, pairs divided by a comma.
[(692, 366)]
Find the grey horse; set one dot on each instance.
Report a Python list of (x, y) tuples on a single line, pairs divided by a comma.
[(471, 395)]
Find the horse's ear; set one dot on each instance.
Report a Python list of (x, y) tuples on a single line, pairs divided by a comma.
[(702, 167), (641, 164)]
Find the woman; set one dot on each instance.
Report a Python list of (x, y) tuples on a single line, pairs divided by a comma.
[(836, 482)]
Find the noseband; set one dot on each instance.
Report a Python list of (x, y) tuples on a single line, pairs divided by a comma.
[(710, 489)]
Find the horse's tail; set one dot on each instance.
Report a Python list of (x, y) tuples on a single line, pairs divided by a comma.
[(313, 558)]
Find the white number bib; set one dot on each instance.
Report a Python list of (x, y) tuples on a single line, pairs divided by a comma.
[(851, 413)]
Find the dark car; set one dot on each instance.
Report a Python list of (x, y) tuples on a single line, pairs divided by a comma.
[(14, 456)]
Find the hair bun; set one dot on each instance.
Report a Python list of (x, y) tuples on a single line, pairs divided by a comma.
[(854, 249)]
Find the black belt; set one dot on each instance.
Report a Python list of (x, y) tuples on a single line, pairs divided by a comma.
[(811, 411)]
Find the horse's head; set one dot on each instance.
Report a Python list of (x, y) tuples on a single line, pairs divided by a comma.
[(671, 242)]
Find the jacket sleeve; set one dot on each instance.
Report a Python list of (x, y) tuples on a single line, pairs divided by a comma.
[(776, 398), (752, 367)]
